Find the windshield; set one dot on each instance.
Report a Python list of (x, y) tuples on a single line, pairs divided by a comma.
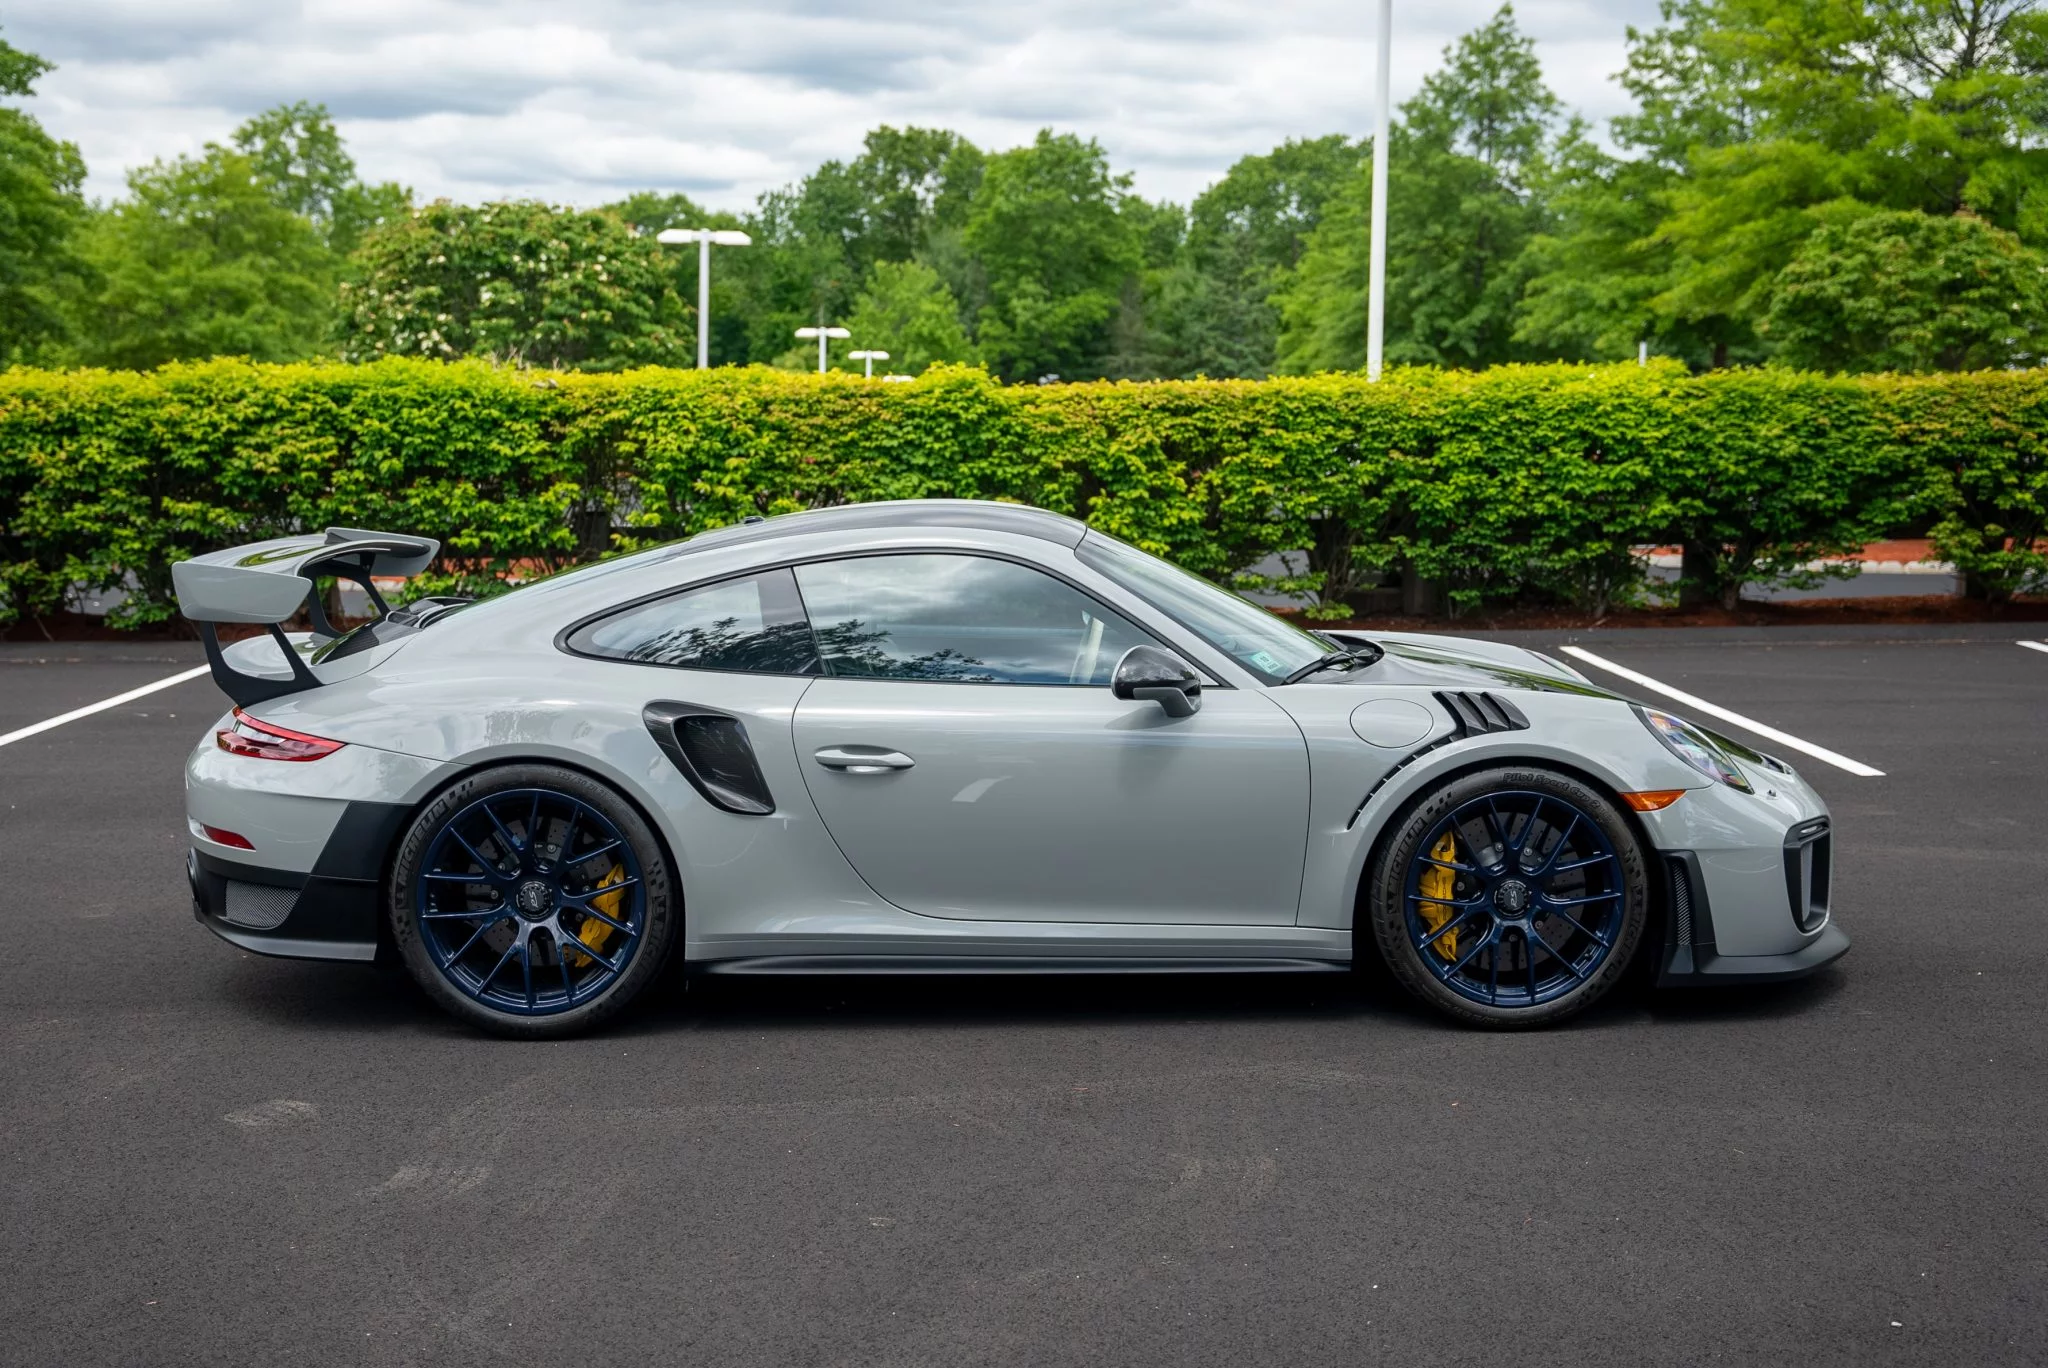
[(1269, 647)]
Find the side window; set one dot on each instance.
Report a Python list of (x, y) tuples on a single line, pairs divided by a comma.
[(970, 619), (755, 623)]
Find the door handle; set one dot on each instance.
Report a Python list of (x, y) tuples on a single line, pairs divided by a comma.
[(862, 759)]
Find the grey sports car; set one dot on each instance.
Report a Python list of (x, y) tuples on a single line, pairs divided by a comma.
[(949, 736)]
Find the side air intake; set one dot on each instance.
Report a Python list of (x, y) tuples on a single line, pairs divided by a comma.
[(1477, 714)]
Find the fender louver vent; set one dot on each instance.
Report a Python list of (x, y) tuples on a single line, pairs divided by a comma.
[(1479, 713)]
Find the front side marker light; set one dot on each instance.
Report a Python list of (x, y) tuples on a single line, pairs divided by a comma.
[(268, 741), (1654, 800)]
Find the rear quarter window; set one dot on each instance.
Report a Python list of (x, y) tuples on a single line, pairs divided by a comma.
[(753, 624)]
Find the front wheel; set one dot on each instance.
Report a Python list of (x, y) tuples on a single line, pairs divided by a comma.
[(1509, 897), (532, 901)]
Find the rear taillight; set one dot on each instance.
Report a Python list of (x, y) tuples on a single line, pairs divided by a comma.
[(268, 741)]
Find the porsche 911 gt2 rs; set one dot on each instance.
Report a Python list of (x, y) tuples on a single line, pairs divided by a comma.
[(951, 736)]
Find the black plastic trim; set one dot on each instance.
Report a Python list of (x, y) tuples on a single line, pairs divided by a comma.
[(663, 721), (1403, 763), (362, 841), (333, 919), (340, 904)]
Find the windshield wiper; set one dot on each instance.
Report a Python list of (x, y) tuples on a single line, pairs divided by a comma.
[(1350, 658)]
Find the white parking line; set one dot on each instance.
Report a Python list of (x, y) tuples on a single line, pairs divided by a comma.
[(105, 703), (1716, 710), (2041, 646)]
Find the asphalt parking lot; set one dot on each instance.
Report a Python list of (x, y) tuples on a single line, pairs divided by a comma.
[(212, 1157)]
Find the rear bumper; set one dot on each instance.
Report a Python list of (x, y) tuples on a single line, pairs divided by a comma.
[(334, 912)]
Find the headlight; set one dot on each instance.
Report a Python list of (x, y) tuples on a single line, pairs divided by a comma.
[(1693, 746)]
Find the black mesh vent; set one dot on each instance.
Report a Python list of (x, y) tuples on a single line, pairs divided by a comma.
[(260, 907)]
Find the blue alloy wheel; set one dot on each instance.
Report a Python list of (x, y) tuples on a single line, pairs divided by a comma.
[(1514, 898), (530, 901)]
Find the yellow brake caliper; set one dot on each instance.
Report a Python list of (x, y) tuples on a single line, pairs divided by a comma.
[(595, 933), (1437, 882)]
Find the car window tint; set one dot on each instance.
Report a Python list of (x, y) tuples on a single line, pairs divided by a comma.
[(970, 619), (755, 623)]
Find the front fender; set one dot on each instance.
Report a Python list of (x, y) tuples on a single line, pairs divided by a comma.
[(1599, 739)]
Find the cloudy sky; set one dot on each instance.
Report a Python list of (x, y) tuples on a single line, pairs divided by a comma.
[(582, 103)]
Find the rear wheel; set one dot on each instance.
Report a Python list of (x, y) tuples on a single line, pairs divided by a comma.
[(532, 901), (1510, 897)]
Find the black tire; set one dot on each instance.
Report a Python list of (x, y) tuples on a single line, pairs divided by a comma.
[(658, 933), (1385, 917)]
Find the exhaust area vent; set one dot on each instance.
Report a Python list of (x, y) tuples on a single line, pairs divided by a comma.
[(259, 907)]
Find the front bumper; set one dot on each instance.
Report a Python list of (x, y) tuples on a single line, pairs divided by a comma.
[(334, 912), (1691, 955)]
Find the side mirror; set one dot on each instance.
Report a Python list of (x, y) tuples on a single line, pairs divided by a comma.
[(1146, 672)]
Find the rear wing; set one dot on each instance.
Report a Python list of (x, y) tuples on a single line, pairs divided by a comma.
[(268, 582)]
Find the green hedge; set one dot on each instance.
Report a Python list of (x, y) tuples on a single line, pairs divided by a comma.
[(1523, 481)]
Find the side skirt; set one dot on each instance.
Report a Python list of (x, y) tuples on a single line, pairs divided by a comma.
[(1014, 964)]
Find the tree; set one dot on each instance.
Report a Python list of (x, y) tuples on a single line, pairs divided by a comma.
[(41, 210), (1056, 254), (201, 260), (904, 197), (1792, 113), (906, 310), (1212, 312), (300, 159), (647, 212), (521, 282), (1910, 292), (1460, 213), (1592, 275), (906, 184)]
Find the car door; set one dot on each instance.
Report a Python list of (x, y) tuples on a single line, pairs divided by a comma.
[(965, 750)]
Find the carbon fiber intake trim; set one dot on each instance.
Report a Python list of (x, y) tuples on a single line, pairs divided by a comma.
[(1681, 905), (259, 907)]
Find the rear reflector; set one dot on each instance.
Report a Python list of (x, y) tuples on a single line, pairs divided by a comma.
[(226, 838), (1654, 800), (268, 741)]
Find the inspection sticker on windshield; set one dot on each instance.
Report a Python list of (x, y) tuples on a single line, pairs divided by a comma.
[(1264, 660)]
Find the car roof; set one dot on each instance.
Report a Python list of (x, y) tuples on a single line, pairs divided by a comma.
[(977, 514)]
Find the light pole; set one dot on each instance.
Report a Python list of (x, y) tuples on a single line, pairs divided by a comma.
[(822, 334), (1376, 286), (704, 237), (867, 360)]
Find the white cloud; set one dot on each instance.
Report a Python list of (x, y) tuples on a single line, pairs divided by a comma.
[(581, 104)]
